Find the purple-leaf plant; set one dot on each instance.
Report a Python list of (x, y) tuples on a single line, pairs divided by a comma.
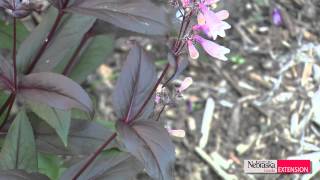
[(40, 79)]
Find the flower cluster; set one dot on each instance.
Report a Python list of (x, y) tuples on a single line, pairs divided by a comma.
[(209, 23), (19, 8)]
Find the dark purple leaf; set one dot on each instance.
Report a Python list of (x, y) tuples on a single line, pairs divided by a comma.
[(57, 3), (149, 142), (67, 38), (6, 74), (137, 78), (139, 15), (84, 138), (54, 90), (33, 42), (21, 175), (103, 27), (107, 167)]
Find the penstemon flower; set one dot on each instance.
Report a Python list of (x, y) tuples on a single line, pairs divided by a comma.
[(212, 25), (193, 52), (185, 3), (214, 22), (19, 8), (213, 49)]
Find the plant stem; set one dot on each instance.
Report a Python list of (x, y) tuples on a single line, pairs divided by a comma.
[(164, 72), (94, 156), (14, 52), (175, 48), (161, 111), (73, 59), (11, 102), (100, 149), (4, 106), (46, 41)]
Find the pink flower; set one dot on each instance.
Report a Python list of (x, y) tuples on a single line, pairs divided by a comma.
[(213, 49), (193, 52), (201, 19), (214, 21), (185, 3), (210, 2), (185, 84), (203, 28)]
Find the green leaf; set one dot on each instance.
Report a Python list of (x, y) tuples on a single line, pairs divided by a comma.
[(50, 165), (6, 34), (84, 138), (98, 51), (237, 59), (19, 151), (58, 119), (68, 36)]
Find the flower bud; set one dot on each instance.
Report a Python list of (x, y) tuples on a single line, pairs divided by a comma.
[(193, 52), (185, 3), (185, 84), (18, 8)]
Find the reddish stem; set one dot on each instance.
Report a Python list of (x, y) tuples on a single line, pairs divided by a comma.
[(11, 102), (103, 146), (14, 55), (94, 156), (46, 41), (175, 48), (164, 72), (4, 106), (73, 59)]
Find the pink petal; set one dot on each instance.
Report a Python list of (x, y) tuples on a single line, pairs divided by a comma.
[(193, 52), (185, 3), (185, 84), (157, 99), (214, 21), (222, 15), (201, 19), (213, 49), (203, 28), (210, 2)]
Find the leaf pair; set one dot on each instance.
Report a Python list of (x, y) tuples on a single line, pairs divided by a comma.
[(110, 166), (21, 175), (83, 139), (67, 37), (54, 90), (147, 140), (150, 143)]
